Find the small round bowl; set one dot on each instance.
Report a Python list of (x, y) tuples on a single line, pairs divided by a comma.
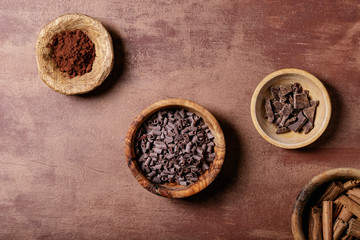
[(312, 188), (102, 64), (317, 91), (173, 190)]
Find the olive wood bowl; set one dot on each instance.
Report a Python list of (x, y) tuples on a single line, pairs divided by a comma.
[(173, 190), (102, 65), (311, 188), (317, 91)]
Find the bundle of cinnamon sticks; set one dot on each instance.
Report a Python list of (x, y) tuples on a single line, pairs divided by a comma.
[(337, 213)]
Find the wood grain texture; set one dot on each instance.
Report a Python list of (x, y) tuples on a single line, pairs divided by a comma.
[(317, 91), (63, 170), (102, 64), (175, 190)]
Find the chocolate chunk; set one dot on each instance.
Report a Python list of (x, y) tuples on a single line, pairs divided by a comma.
[(297, 88), (269, 110), (290, 121), (301, 120), (277, 121), (275, 93), (278, 105), (286, 111), (285, 89), (283, 99), (310, 113), (301, 101), (291, 100), (314, 102), (282, 130), (308, 127)]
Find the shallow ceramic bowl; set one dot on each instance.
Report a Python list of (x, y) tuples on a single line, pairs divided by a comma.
[(312, 188), (174, 190), (102, 64), (317, 91)]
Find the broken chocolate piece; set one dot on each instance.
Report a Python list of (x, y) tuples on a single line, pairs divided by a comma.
[(277, 121), (297, 88), (314, 102), (286, 111), (278, 105), (310, 113), (283, 99), (301, 120), (275, 93), (308, 127), (269, 110), (282, 130), (290, 121), (285, 89), (301, 101)]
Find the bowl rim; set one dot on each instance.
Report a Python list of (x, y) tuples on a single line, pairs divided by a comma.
[(107, 68), (309, 188), (317, 82), (177, 192)]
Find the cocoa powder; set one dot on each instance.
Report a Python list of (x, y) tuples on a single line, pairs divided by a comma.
[(73, 52)]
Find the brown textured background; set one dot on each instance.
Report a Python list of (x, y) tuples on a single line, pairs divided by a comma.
[(63, 173)]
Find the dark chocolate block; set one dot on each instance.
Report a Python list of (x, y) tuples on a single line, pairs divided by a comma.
[(310, 113), (286, 111), (282, 130), (269, 110), (290, 121), (301, 120), (285, 89), (301, 101), (278, 106), (308, 127), (275, 93)]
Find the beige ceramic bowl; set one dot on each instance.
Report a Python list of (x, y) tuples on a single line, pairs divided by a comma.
[(172, 190), (310, 189), (317, 91), (102, 64)]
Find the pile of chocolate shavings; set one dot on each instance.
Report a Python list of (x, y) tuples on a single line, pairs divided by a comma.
[(291, 108), (174, 146)]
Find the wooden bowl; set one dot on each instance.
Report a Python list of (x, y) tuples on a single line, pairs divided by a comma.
[(317, 91), (102, 64), (310, 189), (173, 190)]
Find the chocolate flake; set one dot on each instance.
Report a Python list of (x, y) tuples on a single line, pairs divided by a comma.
[(310, 113), (285, 89), (301, 101), (282, 130)]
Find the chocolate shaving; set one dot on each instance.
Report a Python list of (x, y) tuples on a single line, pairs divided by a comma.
[(269, 111)]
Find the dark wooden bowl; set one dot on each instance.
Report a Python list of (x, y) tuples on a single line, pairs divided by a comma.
[(311, 188), (173, 190)]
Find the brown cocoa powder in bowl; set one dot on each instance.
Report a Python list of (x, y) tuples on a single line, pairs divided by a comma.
[(73, 52)]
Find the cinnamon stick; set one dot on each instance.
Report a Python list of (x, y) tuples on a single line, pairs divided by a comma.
[(334, 190), (354, 191), (341, 222), (354, 228), (351, 184), (315, 224), (339, 228), (345, 215), (354, 198), (327, 214), (350, 205)]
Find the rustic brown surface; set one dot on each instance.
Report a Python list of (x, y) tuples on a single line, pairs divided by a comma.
[(63, 170)]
